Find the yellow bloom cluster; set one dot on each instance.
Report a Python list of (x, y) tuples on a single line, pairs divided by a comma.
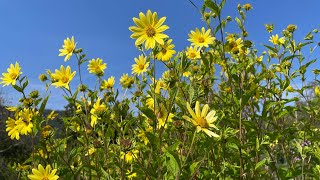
[(21, 124)]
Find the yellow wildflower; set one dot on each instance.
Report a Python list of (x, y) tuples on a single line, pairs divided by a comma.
[(96, 67), (63, 77), (129, 156), (97, 111), (126, 81), (193, 53), (166, 51), (186, 73), (317, 91), (201, 38), (43, 174), (149, 29), (24, 123), (140, 66), (107, 84), (12, 129), (274, 39), (130, 174), (11, 76), (202, 119), (67, 48)]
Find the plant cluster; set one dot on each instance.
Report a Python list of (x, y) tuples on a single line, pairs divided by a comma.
[(221, 109)]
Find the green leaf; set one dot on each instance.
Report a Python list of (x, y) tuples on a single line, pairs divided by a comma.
[(260, 163), (212, 6), (148, 112), (271, 48), (43, 104), (17, 88), (194, 166), (172, 162)]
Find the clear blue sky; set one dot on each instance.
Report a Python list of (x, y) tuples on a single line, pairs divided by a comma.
[(32, 32)]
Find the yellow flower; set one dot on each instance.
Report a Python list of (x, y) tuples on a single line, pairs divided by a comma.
[(150, 102), (108, 84), (236, 46), (142, 135), (317, 91), (12, 129), (201, 38), (163, 116), (97, 111), (186, 73), (140, 66), (193, 53), (67, 48), (166, 51), (96, 67), (43, 174), (202, 119), (63, 77), (130, 175), (24, 123), (91, 151), (274, 39), (149, 29), (126, 81), (129, 156), (11, 76)]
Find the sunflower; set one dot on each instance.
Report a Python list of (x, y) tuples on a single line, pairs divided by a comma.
[(96, 67), (140, 66), (166, 52), (107, 84), (63, 77), (202, 119), (148, 29), (97, 111), (193, 53), (11, 76), (43, 174), (201, 38), (67, 48)]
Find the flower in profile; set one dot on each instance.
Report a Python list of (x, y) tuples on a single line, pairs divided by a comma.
[(126, 81), (140, 66), (13, 72), (193, 53), (96, 67), (202, 119), (91, 151), (129, 155), (63, 77), (317, 91), (142, 135), (43, 174), (97, 111), (247, 7), (12, 129), (67, 48), (166, 52), (149, 29), (274, 39), (163, 116), (107, 84), (201, 38)]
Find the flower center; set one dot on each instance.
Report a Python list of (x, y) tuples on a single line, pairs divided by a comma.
[(141, 66), (13, 75), (150, 32), (163, 50), (45, 178), (192, 55), (200, 39), (64, 79), (202, 122)]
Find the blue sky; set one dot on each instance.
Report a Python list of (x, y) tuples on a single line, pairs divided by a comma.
[(32, 32)]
